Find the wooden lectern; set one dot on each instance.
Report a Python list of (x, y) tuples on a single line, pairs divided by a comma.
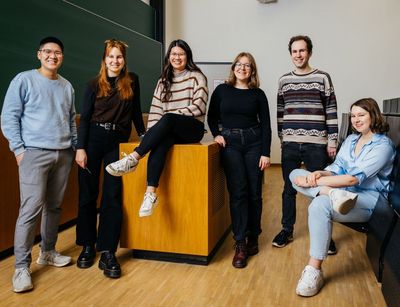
[(192, 217)]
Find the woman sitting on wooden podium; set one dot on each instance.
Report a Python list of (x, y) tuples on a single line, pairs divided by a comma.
[(176, 116), (241, 108)]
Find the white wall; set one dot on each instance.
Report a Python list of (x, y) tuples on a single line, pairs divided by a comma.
[(357, 41)]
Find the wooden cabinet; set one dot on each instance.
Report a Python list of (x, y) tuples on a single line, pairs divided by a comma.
[(192, 215)]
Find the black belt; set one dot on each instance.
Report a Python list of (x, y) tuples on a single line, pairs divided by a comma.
[(239, 130), (108, 126)]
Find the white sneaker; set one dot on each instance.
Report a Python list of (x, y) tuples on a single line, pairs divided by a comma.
[(311, 281), (53, 258), (22, 280), (148, 204), (342, 201), (124, 166)]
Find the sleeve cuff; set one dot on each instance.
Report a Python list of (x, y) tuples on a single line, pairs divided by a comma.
[(19, 151), (333, 169), (332, 143)]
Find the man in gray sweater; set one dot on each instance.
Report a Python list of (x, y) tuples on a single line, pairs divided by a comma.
[(38, 120)]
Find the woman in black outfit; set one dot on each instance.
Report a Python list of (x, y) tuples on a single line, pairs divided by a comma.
[(111, 102), (241, 108)]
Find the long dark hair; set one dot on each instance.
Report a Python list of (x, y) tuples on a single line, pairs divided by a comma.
[(378, 123), (168, 71)]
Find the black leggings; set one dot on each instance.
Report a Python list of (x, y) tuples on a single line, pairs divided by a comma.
[(169, 130)]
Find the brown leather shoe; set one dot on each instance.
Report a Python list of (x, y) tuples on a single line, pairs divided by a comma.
[(240, 259), (252, 245)]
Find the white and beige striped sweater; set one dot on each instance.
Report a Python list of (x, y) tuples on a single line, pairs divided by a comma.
[(189, 97)]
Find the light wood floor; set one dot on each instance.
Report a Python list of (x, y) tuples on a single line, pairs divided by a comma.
[(269, 279)]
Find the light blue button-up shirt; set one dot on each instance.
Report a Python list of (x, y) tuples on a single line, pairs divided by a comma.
[(372, 167)]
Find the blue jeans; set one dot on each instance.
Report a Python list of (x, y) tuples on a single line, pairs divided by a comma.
[(315, 157), (321, 215), (240, 159)]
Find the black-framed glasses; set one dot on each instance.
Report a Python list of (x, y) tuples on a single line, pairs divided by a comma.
[(244, 65)]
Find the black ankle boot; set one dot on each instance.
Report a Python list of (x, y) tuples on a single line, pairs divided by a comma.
[(86, 258), (109, 264)]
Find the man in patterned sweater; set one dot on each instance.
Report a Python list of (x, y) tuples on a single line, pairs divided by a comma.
[(307, 127)]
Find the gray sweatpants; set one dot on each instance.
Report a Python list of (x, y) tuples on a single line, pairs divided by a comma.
[(43, 178)]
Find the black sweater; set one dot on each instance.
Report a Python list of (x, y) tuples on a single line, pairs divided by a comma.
[(110, 109), (240, 108)]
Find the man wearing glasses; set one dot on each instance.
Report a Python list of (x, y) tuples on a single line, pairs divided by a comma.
[(38, 119), (307, 127)]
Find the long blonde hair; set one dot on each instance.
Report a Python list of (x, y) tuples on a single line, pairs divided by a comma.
[(124, 81)]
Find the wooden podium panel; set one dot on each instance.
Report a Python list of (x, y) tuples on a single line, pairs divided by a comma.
[(192, 215)]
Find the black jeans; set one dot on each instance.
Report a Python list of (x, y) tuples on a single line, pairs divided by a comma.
[(169, 130), (315, 157), (240, 159), (102, 147)]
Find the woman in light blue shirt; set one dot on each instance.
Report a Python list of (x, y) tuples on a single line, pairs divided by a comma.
[(348, 189)]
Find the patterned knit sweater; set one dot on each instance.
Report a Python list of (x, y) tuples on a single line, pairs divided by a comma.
[(307, 111), (189, 97)]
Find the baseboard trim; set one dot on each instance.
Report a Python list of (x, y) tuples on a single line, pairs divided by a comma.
[(180, 258)]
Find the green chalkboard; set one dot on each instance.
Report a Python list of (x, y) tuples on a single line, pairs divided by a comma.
[(83, 26)]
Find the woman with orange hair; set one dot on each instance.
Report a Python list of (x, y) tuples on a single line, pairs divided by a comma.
[(111, 102)]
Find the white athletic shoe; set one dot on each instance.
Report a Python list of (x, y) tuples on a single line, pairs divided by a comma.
[(342, 201), (53, 258), (311, 281), (148, 204), (22, 280), (124, 166)]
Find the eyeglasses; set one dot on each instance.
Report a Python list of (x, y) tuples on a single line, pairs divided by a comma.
[(178, 55), (240, 65), (48, 52)]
